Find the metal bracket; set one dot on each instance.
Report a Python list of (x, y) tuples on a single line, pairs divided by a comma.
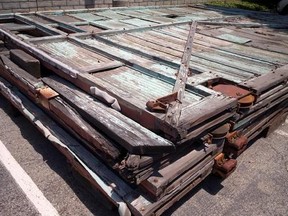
[(236, 140), (44, 94), (223, 167), (161, 104)]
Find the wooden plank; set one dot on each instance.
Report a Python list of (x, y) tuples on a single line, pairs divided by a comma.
[(138, 62), (201, 62), (25, 80), (11, 65), (161, 71), (129, 134), (27, 62), (69, 117), (72, 54), (267, 44), (221, 104), (62, 112), (261, 123), (267, 81), (141, 205), (162, 181), (209, 50), (271, 92), (205, 171), (281, 93), (245, 121), (102, 67), (85, 81), (87, 16), (97, 142)]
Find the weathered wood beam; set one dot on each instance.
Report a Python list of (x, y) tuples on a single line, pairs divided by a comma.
[(132, 136)]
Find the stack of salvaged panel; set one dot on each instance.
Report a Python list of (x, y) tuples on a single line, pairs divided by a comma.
[(142, 108)]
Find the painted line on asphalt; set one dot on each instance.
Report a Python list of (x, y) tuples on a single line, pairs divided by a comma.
[(24, 181), (282, 133)]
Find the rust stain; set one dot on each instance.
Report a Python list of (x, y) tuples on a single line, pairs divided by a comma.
[(44, 95), (245, 97)]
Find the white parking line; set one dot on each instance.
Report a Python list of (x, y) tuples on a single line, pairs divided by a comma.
[(32, 192)]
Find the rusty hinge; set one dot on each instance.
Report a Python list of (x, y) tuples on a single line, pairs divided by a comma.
[(161, 104)]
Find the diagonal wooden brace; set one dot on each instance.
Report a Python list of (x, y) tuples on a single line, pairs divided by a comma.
[(172, 104)]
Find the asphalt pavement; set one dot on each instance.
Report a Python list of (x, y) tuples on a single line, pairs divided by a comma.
[(259, 186)]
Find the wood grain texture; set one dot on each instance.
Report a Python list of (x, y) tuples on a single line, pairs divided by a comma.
[(127, 133)]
